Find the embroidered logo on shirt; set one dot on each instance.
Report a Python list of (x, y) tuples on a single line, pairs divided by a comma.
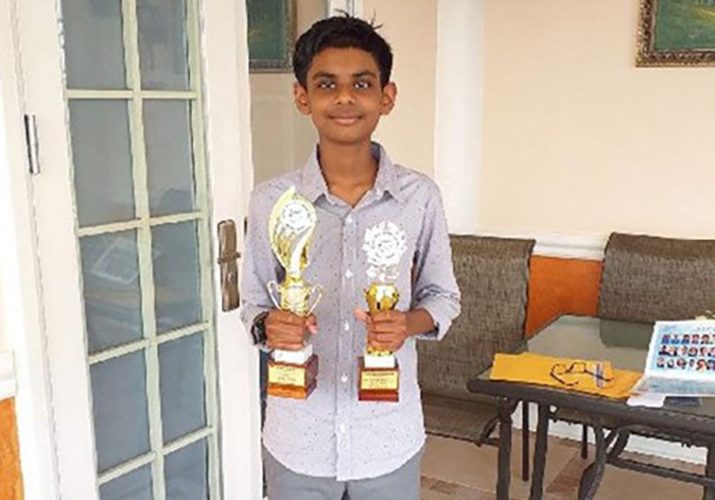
[(384, 245)]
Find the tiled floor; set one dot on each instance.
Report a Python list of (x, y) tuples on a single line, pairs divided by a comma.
[(455, 470)]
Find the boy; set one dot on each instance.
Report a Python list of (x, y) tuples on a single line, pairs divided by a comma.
[(331, 445)]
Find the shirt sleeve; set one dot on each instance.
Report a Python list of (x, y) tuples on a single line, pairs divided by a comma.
[(435, 288), (260, 266)]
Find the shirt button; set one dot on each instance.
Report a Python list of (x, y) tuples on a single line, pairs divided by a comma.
[(344, 378), (348, 274), (346, 326), (342, 428), (349, 219)]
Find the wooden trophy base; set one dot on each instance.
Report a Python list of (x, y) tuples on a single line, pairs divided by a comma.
[(286, 380), (378, 384)]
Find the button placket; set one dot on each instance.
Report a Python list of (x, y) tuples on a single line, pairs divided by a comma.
[(343, 394)]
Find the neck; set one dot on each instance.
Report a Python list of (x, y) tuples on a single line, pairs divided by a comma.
[(348, 165)]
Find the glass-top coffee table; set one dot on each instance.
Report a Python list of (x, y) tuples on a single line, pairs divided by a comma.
[(625, 344)]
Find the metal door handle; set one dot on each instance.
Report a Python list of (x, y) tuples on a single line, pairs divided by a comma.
[(227, 261)]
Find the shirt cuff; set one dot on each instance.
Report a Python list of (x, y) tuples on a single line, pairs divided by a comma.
[(440, 316)]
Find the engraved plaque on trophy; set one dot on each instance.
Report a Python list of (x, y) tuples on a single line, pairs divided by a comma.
[(379, 376), (293, 374)]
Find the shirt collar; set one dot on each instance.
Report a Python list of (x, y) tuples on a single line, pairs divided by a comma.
[(313, 183)]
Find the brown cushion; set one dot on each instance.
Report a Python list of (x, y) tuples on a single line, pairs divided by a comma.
[(647, 278)]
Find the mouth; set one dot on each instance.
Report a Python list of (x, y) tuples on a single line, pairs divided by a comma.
[(345, 120)]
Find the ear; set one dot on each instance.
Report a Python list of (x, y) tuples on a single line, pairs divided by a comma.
[(389, 95), (300, 97)]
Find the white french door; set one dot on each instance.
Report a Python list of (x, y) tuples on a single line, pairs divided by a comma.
[(141, 113)]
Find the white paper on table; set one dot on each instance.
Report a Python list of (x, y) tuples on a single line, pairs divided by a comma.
[(647, 400)]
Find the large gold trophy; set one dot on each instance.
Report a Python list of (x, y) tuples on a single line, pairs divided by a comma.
[(384, 246), (293, 374)]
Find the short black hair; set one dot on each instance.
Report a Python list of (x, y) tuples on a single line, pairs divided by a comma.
[(344, 31)]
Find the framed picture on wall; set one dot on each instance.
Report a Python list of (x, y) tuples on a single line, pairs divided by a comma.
[(271, 32), (676, 33)]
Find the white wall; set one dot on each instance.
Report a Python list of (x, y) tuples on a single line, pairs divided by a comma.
[(410, 28), (458, 110), (577, 140), (3, 249)]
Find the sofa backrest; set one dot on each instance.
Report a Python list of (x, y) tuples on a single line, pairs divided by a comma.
[(648, 278), (493, 275)]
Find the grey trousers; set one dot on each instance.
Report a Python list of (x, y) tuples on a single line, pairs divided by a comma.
[(284, 484)]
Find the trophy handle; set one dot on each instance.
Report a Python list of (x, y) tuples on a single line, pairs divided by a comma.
[(317, 291), (274, 293)]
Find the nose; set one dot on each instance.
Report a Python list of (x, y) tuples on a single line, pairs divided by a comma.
[(345, 95)]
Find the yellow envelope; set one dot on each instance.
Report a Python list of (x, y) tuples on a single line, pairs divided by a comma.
[(589, 376)]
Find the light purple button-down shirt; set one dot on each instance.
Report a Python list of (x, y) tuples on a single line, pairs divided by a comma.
[(332, 434)]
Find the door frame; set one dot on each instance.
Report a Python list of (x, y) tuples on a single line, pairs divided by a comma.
[(19, 269), (54, 425)]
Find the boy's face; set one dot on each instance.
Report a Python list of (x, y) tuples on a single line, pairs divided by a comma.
[(343, 95)]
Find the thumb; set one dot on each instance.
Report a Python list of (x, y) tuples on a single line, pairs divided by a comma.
[(311, 323), (361, 315)]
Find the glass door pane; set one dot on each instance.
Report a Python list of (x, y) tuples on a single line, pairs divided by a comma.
[(101, 153), (163, 47), (181, 368), (142, 222), (169, 156), (94, 48), (112, 294), (121, 427), (136, 485), (178, 294), (186, 472)]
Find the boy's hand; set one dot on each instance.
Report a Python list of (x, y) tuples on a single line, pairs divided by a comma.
[(287, 331), (386, 330)]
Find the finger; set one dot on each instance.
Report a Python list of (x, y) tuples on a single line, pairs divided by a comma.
[(384, 316), (384, 346), (285, 333), (311, 324), (282, 337), (389, 328), (361, 315), (383, 336), (285, 345), (288, 318)]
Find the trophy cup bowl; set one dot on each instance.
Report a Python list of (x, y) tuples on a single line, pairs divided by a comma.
[(379, 378), (293, 374)]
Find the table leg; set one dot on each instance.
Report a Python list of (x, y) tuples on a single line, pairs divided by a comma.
[(584, 441), (593, 474), (542, 437), (505, 408), (709, 492), (525, 441)]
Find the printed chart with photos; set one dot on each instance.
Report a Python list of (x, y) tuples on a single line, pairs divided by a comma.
[(681, 359)]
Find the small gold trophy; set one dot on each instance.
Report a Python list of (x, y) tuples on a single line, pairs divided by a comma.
[(293, 374), (384, 245)]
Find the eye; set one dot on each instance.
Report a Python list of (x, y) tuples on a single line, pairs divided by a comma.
[(326, 84), (363, 84)]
